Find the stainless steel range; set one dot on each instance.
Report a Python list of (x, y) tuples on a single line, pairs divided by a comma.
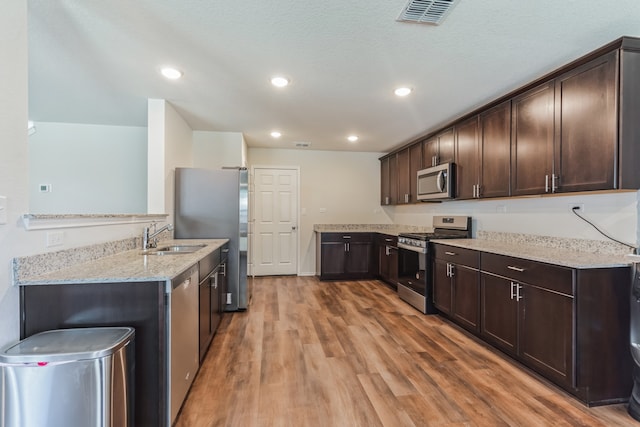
[(415, 276)]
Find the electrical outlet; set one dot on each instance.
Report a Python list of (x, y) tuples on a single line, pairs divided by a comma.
[(580, 207), (55, 238)]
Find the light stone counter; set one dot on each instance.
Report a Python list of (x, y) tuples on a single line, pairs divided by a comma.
[(391, 229), (550, 255), (127, 266)]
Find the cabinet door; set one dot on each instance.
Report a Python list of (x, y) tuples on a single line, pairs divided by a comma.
[(495, 151), (385, 182), (216, 313), (446, 146), (430, 152), (546, 333), (442, 295), (393, 180), (358, 258), (415, 164), (586, 122), (467, 159), (333, 256), (499, 310), (466, 297), (404, 190), (532, 141), (204, 318)]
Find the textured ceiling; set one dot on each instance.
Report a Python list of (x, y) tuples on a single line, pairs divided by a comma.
[(97, 61)]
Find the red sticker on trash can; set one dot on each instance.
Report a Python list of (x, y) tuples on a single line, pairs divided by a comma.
[(43, 363)]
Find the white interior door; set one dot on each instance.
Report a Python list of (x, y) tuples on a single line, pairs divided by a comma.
[(275, 233)]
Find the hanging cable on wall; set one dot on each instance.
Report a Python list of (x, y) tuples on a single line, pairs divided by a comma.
[(576, 208)]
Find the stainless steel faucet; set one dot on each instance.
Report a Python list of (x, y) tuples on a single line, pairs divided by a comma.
[(149, 238)]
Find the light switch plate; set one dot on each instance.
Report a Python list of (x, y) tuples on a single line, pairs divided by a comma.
[(3, 210)]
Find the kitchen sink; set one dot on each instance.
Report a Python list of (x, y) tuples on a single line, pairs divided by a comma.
[(173, 250)]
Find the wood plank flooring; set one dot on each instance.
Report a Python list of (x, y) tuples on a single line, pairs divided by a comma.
[(311, 353)]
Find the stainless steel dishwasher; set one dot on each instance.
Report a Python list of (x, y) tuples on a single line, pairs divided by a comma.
[(183, 341)]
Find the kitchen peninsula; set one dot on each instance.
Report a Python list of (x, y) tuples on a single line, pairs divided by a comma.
[(129, 288)]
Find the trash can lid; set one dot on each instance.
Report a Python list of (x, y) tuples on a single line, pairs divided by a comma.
[(64, 345)]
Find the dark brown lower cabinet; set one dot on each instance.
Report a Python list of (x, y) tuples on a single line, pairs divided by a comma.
[(387, 247), (346, 256), (456, 286), (569, 325)]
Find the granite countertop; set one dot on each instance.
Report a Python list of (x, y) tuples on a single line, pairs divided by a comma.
[(390, 229), (128, 266), (558, 256)]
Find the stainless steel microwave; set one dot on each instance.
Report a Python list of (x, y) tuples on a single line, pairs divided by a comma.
[(437, 183)]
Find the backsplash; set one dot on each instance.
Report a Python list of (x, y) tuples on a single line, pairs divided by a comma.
[(581, 245)]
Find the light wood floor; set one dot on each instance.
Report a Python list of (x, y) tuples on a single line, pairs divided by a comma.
[(310, 353)]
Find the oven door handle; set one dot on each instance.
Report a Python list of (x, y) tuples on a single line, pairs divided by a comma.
[(412, 248)]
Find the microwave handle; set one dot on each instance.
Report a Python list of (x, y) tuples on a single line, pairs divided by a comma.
[(440, 181)]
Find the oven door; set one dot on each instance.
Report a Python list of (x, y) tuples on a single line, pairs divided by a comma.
[(412, 271)]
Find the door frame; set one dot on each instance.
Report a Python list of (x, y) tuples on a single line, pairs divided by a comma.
[(252, 218)]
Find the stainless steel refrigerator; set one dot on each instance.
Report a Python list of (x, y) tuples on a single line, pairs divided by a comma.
[(214, 204)]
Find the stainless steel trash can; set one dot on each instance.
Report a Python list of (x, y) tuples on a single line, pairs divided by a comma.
[(68, 377)]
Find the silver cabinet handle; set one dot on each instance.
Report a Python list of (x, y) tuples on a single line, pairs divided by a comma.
[(388, 240), (387, 250), (450, 253), (518, 296), (475, 191), (513, 286), (346, 237), (554, 185), (511, 267), (478, 187), (406, 198), (546, 183), (451, 274), (386, 200)]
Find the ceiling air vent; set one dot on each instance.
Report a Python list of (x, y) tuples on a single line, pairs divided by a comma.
[(430, 12)]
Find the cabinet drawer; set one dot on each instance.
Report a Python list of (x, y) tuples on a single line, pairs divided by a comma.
[(346, 237), (547, 276), (467, 257), (387, 239)]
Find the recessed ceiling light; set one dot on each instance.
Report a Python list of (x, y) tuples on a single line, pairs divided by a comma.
[(352, 138), (171, 73), (402, 91), (279, 81), (276, 134)]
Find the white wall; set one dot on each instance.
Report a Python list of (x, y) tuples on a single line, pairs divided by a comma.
[(13, 146), (170, 146), (614, 213), (345, 184), (91, 168), (213, 150)]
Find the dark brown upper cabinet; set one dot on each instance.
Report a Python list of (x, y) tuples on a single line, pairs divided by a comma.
[(532, 141), (438, 149), (389, 180), (495, 152), (398, 174), (586, 126), (467, 159)]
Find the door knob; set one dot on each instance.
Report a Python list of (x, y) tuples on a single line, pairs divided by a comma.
[(293, 228)]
